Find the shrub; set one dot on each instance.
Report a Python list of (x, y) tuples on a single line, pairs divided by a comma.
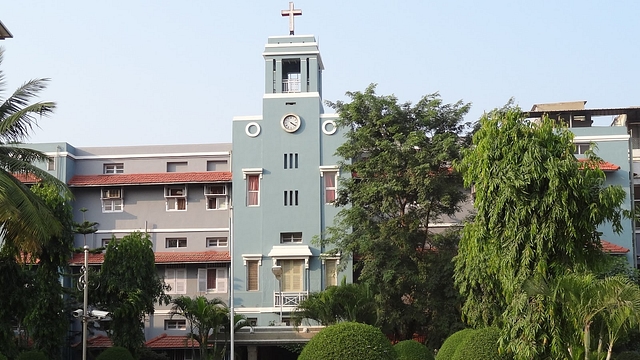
[(349, 341), (32, 355), (628, 355), (481, 344), (448, 348), (115, 353), (2, 357), (412, 350)]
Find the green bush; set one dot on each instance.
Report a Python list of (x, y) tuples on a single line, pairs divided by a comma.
[(628, 355), (348, 341), (32, 355), (481, 344), (2, 357), (412, 350), (115, 353), (448, 348)]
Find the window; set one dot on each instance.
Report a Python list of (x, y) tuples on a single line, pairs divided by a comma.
[(252, 275), (216, 241), (291, 198), (176, 242), (177, 166), (176, 278), (331, 272), (212, 280), (216, 196), (113, 168), (291, 274), (106, 242), (175, 324), (290, 237), (581, 148), (253, 190), (176, 197), (111, 200), (330, 179), (217, 165), (291, 161), (51, 164)]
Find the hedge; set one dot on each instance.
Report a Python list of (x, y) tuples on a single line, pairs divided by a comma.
[(349, 341), (412, 350), (481, 344), (448, 348), (32, 355)]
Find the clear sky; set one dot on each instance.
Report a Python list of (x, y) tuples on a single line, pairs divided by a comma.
[(141, 72)]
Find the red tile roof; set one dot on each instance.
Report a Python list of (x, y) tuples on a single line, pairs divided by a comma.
[(165, 341), (183, 257), (98, 342), (27, 178), (604, 165), (613, 248), (151, 178)]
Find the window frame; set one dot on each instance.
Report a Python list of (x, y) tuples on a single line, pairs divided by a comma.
[(221, 282), (113, 168), (289, 273), (178, 241), (221, 200), (292, 239), (177, 324), (176, 277), (173, 201), (249, 265), (112, 203), (217, 239)]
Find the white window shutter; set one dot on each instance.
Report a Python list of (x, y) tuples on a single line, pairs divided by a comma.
[(169, 279), (221, 275), (181, 281), (202, 280)]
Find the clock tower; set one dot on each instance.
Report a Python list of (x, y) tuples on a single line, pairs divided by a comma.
[(285, 177)]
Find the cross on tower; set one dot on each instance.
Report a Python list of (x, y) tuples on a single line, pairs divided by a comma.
[(291, 13)]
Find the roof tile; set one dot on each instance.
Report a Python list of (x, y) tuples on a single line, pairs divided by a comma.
[(165, 341), (613, 248), (150, 178), (604, 165), (183, 257)]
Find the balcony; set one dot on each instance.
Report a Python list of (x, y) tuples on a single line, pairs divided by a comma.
[(291, 85), (289, 299)]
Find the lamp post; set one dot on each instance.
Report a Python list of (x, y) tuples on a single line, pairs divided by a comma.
[(277, 271), (84, 283)]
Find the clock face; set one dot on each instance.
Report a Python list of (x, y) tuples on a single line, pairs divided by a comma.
[(290, 123)]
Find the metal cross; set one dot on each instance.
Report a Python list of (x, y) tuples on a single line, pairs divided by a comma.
[(291, 13)]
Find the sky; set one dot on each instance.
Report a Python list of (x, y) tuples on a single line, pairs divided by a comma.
[(142, 72)]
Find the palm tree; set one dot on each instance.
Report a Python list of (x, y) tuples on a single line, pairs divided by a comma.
[(24, 219), (207, 316)]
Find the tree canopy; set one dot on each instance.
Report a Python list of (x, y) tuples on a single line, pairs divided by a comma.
[(399, 155)]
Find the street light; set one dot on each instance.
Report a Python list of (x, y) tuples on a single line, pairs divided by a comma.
[(277, 271)]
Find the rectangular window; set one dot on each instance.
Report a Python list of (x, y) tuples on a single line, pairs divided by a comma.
[(252, 275), (106, 242), (291, 161), (217, 241), (212, 280), (581, 148), (177, 166), (217, 165), (51, 164), (330, 180), (290, 237), (331, 272), (292, 271), (253, 190), (291, 198), (171, 324), (176, 242), (216, 196), (176, 197), (113, 168), (111, 200), (176, 278)]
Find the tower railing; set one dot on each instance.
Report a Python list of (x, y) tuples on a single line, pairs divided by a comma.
[(291, 85)]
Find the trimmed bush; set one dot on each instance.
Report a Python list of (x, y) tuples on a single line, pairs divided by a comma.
[(348, 341), (628, 355), (448, 348), (32, 355), (412, 350), (115, 353), (481, 344)]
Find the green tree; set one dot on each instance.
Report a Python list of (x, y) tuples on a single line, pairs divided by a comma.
[(400, 156), (538, 210), (25, 220), (205, 316), (347, 302), (129, 286)]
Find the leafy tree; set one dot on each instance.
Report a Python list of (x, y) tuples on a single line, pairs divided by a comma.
[(538, 210), (14, 303), (206, 316), (347, 302), (129, 286), (400, 156), (26, 221)]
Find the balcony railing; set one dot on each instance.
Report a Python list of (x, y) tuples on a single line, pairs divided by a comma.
[(289, 299), (635, 143), (291, 85)]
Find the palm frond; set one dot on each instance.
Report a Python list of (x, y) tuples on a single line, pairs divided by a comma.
[(18, 117)]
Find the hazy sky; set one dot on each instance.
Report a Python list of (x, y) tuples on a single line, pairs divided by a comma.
[(142, 72)]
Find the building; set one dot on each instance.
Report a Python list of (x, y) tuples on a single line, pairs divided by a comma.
[(613, 134)]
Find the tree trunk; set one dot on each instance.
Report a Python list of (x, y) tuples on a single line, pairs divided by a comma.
[(586, 340)]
